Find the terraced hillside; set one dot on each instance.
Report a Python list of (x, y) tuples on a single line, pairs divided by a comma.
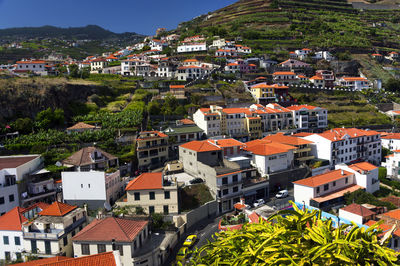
[(280, 25)]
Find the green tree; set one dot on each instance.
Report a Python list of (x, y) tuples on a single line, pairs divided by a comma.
[(23, 125), (393, 85), (297, 237), (49, 118), (154, 108)]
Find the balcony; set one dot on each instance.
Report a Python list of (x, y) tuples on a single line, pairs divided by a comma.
[(302, 150), (151, 146), (230, 184), (54, 234)]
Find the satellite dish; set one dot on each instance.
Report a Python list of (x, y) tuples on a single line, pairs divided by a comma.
[(58, 164)]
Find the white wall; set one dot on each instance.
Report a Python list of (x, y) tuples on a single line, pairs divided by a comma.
[(11, 247), (84, 185), (303, 193), (281, 161), (350, 216)]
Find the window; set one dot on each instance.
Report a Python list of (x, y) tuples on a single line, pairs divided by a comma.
[(137, 195), (65, 241), (8, 255), (120, 248), (11, 197), (166, 209), (317, 190), (18, 255), (167, 195), (334, 183), (224, 181), (234, 178), (85, 249), (47, 247), (101, 248), (151, 209), (81, 185), (152, 195), (74, 219), (235, 189), (326, 187), (6, 241), (17, 240), (1, 200), (346, 180), (225, 191)]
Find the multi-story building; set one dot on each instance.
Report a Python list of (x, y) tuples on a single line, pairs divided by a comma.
[(270, 157), (91, 159), (166, 68), (34, 66), (327, 76), (191, 72), (130, 67), (285, 77), (391, 141), (15, 169), (354, 83), (243, 123), (50, 233), (347, 145), (191, 47), (302, 153), (154, 193), (11, 236), (392, 165), (264, 93), (327, 190), (129, 237), (317, 81), (224, 176), (97, 65), (151, 148), (307, 117)]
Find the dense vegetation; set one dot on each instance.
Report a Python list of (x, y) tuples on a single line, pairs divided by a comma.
[(297, 237)]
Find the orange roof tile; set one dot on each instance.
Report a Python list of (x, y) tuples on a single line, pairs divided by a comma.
[(392, 136), (31, 62), (266, 147), (12, 220), (363, 166), (284, 73), (227, 143), (299, 107), (157, 133), (322, 179), (186, 121), (302, 134), (121, 230), (354, 79), (57, 209), (395, 214), (176, 86), (81, 125), (338, 133), (231, 173), (254, 218), (239, 206), (191, 60), (146, 181), (40, 262), (383, 226), (287, 139), (200, 146), (338, 193), (359, 210), (316, 78)]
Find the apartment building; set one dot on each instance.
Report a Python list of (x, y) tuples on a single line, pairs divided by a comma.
[(15, 169), (243, 123), (50, 233), (191, 72), (308, 117), (285, 78), (151, 148), (391, 141), (154, 193), (97, 65), (91, 159), (191, 47), (228, 178), (327, 190), (34, 66), (265, 94), (354, 83), (392, 165), (347, 145)]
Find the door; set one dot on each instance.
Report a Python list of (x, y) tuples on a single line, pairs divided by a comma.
[(47, 247), (33, 246)]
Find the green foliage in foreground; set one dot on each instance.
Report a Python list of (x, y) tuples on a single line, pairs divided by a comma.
[(296, 237)]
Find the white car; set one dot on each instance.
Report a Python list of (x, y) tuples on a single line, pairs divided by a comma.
[(258, 203), (282, 194)]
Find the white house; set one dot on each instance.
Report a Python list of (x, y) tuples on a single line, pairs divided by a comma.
[(356, 213), (366, 175), (303, 52), (392, 164), (191, 72), (191, 47), (269, 157), (324, 55), (391, 141), (309, 117), (354, 83), (35, 66), (347, 145), (14, 169)]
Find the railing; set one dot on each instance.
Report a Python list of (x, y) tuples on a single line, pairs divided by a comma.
[(151, 146), (58, 235), (230, 184)]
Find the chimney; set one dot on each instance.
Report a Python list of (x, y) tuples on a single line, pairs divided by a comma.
[(113, 244), (242, 201), (342, 172)]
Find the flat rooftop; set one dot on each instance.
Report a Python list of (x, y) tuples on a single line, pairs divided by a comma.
[(15, 161)]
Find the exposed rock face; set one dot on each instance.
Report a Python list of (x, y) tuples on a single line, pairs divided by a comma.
[(27, 97), (349, 68)]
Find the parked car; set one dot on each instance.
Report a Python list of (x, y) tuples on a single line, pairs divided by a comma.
[(182, 253), (259, 202), (282, 194), (190, 240)]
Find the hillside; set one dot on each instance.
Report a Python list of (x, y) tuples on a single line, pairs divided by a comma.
[(279, 26), (90, 32)]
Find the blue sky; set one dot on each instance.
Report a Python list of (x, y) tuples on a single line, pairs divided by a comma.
[(115, 15)]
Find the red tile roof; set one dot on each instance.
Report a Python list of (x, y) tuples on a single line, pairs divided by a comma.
[(338, 193), (102, 259), (157, 133), (200, 146), (363, 166), (383, 226), (267, 147), (338, 133), (146, 181), (231, 173), (31, 62), (359, 210), (254, 218), (391, 136), (121, 230), (354, 79), (81, 125), (319, 180), (283, 73), (191, 60), (47, 261), (57, 209), (299, 107), (302, 134), (316, 78), (395, 214), (15, 161), (186, 121), (176, 86), (12, 220), (227, 143), (289, 140)]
